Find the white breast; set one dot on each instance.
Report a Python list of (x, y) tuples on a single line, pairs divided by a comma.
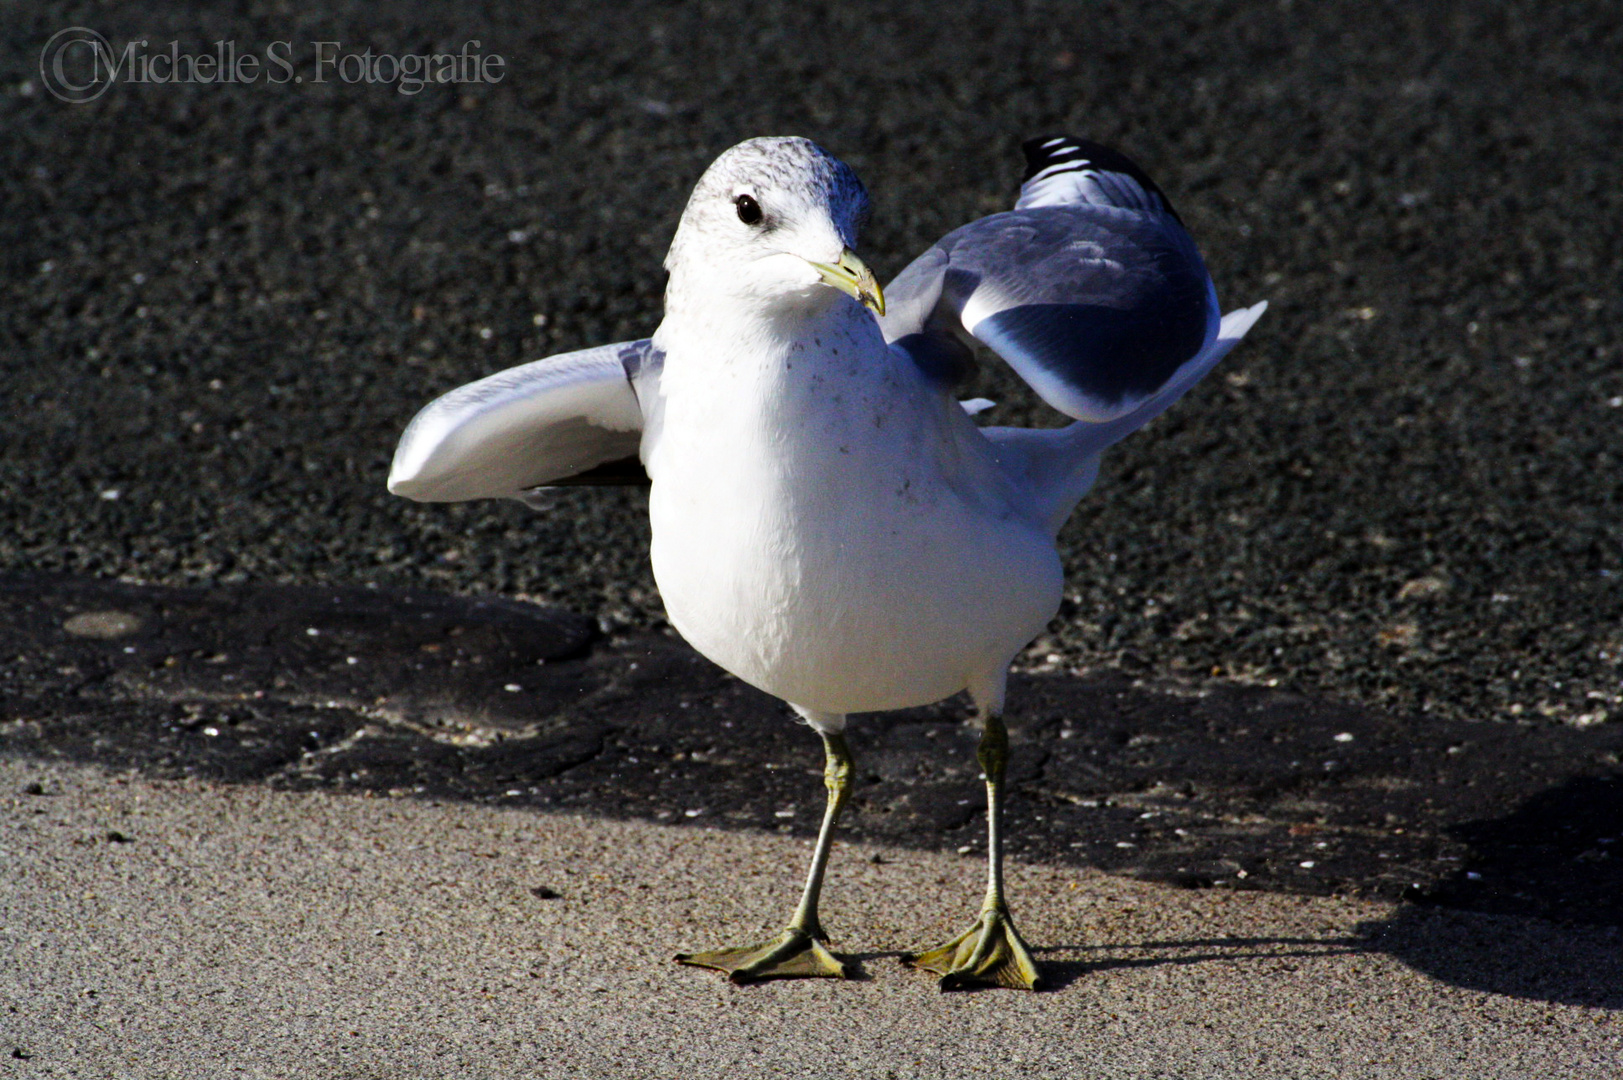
[(833, 530)]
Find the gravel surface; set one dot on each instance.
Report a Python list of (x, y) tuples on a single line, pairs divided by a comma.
[(222, 303)]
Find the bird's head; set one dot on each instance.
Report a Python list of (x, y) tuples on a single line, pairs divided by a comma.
[(774, 221)]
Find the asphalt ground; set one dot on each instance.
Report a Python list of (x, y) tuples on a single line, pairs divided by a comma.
[(1393, 513), (186, 929)]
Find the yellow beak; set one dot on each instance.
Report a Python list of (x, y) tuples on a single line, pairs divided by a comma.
[(851, 277)]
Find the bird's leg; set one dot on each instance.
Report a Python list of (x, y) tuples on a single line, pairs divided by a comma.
[(991, 952), (798, 952)]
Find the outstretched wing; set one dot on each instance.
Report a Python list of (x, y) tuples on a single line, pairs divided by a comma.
[(1090, 288), (569, 419)]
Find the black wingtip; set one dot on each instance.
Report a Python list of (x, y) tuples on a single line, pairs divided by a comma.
[(1046, 151), (1040, 152)]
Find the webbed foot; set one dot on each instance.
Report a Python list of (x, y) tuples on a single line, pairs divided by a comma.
[(793, 954), (990, 953)]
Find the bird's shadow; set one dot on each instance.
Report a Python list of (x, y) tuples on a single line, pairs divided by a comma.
[(1062, 964), (862, 962), (1529, 958)]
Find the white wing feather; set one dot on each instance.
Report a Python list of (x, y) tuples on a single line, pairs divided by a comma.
[(527, 426)]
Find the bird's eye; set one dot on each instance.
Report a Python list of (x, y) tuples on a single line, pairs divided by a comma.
[(749, 211)]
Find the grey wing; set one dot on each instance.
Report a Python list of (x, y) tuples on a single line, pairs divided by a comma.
[(569, 419), (1091, 288)]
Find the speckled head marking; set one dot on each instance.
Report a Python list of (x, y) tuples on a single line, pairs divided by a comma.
[(764, 186)]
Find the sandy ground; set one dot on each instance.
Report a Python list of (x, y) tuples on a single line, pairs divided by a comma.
[(235, 931)]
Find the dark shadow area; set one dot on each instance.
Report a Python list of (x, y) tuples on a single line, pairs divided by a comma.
[(423, 695), (1549, 873), (1560, 851), (1497, 954)]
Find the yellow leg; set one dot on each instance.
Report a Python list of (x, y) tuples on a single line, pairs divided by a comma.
[(991, 952), (798, 952)]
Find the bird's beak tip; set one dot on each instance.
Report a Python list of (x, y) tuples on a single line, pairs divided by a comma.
[(851, 276), (875, 302)]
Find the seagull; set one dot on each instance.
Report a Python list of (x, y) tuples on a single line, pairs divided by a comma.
[(829, 523)]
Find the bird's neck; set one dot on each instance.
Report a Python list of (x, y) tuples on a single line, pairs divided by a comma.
[(775, 391), (740, 347)]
